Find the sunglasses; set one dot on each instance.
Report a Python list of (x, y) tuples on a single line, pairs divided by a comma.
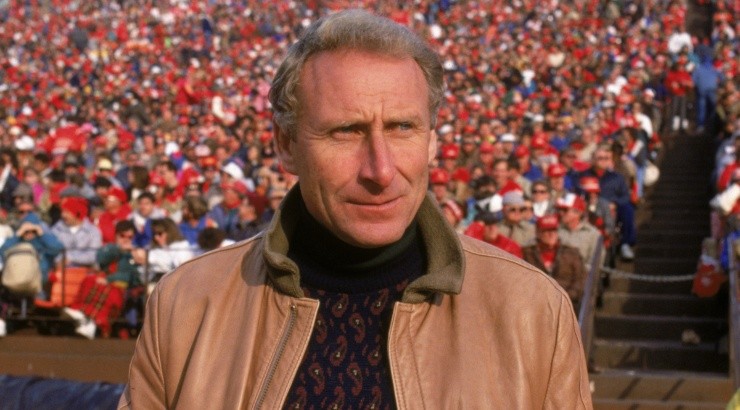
[(539, 191), (126, 235), (520, 209)]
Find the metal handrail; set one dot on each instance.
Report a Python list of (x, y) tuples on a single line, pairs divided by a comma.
[(588, 301), (734, 319)]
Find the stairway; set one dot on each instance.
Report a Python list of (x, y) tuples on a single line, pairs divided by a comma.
[(638, 357)]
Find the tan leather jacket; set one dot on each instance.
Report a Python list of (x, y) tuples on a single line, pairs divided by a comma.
[(229, 329)]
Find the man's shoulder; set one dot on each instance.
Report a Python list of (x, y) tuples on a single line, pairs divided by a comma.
[(496, 272), (216, 271)]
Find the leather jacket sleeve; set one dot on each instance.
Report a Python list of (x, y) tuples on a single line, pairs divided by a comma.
[(145, 388)]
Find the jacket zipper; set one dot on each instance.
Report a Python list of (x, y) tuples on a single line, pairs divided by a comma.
[(281, 348)]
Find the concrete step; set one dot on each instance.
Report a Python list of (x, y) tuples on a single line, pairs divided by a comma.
[(66, 358), (617, 284), (657, 328), (631, 404), (695, 225), (670, 236), (675, 265), (662, 387), (658, 355), (621, 303)]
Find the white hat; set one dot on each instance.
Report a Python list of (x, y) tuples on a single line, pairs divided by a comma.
[(508, 137), (25, 143), (234, 170), (444, 129)]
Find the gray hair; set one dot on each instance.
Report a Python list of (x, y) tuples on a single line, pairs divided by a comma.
[(354, 30)]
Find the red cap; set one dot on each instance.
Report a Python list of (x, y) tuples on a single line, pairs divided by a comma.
[(75, 205), (454, 208), (461, 174), (590, 184), (236, 186), (556, 170), (571, 200), (538, 143), (486, 148), (156, 179), (450, 151), (439, 176), (118, 193), (521, 151), (190, 176), (547, 222)]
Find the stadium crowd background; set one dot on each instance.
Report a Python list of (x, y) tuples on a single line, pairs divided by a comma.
[(105, 101)]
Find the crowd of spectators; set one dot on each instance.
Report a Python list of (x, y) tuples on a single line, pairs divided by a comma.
[(156, 114)]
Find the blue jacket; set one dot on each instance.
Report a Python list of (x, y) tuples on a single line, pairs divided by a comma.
[(613, 186)]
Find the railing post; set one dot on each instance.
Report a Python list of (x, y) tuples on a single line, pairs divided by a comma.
[(588, 301)]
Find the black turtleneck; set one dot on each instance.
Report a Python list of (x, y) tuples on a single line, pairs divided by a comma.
[(346, 362)]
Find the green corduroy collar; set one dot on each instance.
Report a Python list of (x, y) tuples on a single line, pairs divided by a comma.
[(445, 265)]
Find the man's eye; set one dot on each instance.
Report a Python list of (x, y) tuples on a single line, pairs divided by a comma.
[(405, 126)]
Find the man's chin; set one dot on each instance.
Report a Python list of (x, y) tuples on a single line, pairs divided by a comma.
[(369, 236)]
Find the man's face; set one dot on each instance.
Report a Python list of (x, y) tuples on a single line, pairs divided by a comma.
[(146, 206), (70, 219), (548, 237), (363, 144), (501, 174), (569, 215), (512, 213)]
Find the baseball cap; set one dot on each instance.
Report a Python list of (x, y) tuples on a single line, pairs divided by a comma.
[(547, 222), (556, 170), (571, 200)]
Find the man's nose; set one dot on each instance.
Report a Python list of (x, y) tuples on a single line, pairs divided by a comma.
[(379, 164)]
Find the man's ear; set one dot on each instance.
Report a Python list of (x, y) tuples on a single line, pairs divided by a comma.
[(432, 146), (283, 148)]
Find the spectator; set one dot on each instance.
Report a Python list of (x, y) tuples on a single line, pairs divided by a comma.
[(556, 179), (678, 82), (101, 297), (212, 238), (453, 213), (542, 201), (707, 80), (169, 249), (275, 196), (194, 218), (247, 224), (512, 225), (44, 242), (560, 261), (614, 189), (225, 213), (8, 183), (576, 231), (600, 212), (81, 239), (116, 208), (486, 228)]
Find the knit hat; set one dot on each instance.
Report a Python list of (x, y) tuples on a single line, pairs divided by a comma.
[(75, 205)]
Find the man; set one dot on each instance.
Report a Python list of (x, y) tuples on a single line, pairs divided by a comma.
[(345, 299), (575, 231), (513, 225), (81, 239), (486, 229), (560, 261), (614, 189)]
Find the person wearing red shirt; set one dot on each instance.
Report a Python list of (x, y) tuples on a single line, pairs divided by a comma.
[(563, 263), (678, 82), (485, 228), (116, 209)]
